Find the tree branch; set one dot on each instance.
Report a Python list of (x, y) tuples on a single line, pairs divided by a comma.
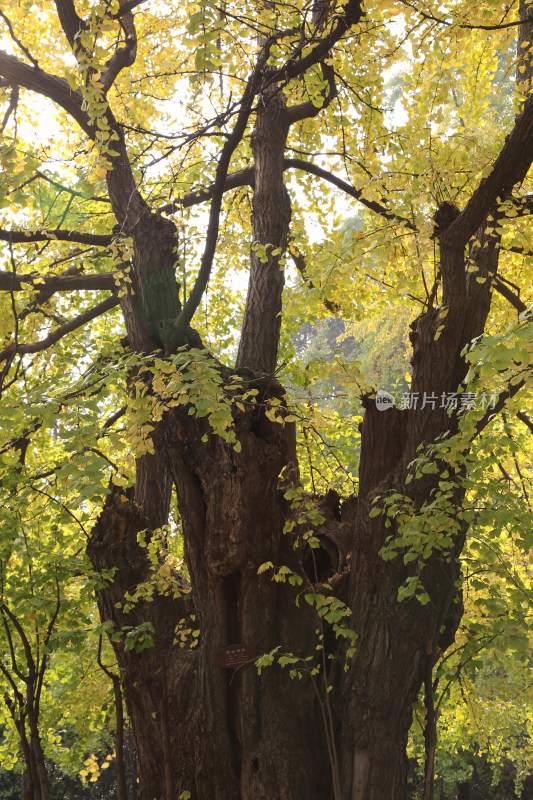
[(510, 168), (124, 56), (347, 188), (509, 295), (243, 177), (56, 89), (24, 639), (253, 85), (57, 283), (14, 664), (60, 186), (519, 250), (258, 81), (17, 40), (114, 417), (464, 25), (71, 23), (308, 109), (12, 107), (296, 66), (525, 419), (121, 182), (23, 237), (37, 302), (503, 397), (53, 337), (41, 668), (299, 263)]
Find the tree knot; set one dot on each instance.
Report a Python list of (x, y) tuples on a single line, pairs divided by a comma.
[(445, 214)]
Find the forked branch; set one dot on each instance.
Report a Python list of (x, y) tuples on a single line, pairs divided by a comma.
[(123, 56), (54, 336)]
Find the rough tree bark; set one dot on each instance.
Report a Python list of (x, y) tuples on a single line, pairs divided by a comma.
[(258, 348), (237, 735)]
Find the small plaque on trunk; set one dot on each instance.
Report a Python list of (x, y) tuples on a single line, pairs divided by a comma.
[(235, 655)]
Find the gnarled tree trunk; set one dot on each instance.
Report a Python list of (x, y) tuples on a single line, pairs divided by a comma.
[(231, 733), (223, 733)]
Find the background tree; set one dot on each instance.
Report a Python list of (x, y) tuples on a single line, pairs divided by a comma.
[(264, 92)]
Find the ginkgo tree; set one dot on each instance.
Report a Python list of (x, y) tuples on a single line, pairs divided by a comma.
[(189, 146)]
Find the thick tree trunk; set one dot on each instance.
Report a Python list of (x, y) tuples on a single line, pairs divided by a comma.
[(227, 734), (231, 733), (399, 642)]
